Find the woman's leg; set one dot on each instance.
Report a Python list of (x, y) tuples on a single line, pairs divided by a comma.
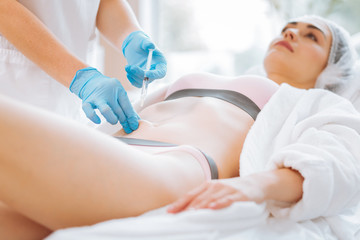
[(14, 226), (62, 174)]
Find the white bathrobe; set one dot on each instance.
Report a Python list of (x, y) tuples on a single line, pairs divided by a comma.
[(317, 133)]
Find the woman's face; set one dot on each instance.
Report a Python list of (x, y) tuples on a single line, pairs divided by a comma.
[(299, 54)]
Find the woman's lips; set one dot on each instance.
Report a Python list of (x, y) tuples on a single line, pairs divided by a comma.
[(285, 44)]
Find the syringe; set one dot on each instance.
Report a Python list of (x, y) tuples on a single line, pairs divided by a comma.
[(146, 79)]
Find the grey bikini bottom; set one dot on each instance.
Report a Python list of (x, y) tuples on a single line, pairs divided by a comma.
[(150, 143)]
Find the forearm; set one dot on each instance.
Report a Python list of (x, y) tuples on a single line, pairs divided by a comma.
[(116, 20), (31, 37), (283, 184)]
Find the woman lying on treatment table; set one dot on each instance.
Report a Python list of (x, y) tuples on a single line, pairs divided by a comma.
[(55, 173)]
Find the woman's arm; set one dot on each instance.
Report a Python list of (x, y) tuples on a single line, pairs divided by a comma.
[(116, 20), (283, 185), (30, 36)]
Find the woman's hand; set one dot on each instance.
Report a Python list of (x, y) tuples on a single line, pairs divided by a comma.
[(282, 184), (218, 194)]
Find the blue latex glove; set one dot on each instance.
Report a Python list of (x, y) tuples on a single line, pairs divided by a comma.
[(136, 49), (106, 94)]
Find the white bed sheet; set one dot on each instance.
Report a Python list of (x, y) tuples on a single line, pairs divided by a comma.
[(243, 220)]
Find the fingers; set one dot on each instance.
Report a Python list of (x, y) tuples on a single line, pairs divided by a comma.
[(221, 203), (108, 113), (121, 111), (158, 68), (126, 113), (214, 192), (122, 118), (183, 202), (105, 110), (212, 195), (158, 71), (135, 75), (90, 112)]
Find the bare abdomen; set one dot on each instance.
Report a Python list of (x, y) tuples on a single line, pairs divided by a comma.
[(214, 126)]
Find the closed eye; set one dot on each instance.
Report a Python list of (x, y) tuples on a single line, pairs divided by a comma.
[(312, 37)]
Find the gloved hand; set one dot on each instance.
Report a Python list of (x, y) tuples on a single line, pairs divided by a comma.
[(106, 94), (136, 49)]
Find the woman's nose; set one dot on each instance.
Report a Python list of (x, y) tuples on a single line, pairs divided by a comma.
[(290, 34)]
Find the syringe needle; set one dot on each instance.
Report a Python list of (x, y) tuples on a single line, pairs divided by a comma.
[(144, 90), (146, 79)]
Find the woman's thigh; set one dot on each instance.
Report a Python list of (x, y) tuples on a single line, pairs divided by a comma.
[(14, 226), (62, 174)]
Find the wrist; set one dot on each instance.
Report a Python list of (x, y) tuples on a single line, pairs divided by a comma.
[(130, 37), (250, 186), (82, 76)]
